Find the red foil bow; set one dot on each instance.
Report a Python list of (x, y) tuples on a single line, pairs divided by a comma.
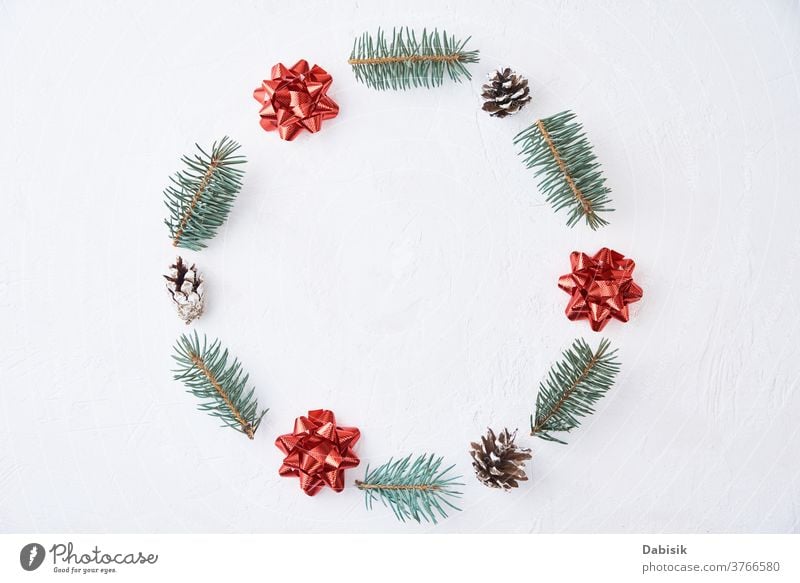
[(295, 99), (601, 287), (318, 452)]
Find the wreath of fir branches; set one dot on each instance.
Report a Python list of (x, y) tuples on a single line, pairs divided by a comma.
[(201, 196)]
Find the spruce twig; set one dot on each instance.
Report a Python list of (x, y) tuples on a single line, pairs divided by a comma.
[(417, 491), (205, 372), (403, 61), (201, 196), (569, 175), (572, 387)]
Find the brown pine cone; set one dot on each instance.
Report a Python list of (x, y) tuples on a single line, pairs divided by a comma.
[(185, 286), (497, 460), (505, 93)]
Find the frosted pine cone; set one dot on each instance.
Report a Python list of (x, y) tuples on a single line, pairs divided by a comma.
[(505, 93), (497, 460), (185, 286)]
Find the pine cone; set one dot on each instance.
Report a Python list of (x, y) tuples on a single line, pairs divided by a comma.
[(185, 285), (498, 462), (505, 93)]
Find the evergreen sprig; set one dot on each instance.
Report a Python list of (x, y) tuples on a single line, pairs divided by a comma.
[(569, 175), (403, 61), (200, 196), (572, 387), (205, 371), (416, 490)]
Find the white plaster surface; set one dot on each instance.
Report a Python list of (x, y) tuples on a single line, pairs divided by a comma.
[(400, 266)]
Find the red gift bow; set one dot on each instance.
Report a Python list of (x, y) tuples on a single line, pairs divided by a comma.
[(601, 286), (295, 99), (318, 451)]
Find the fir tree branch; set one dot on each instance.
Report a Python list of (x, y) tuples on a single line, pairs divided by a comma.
[(405, 59), (566, 394), (201, 196), (587, 206), (417, 491), (201, 188), (569, 175), (246, 426), (572, 387), (404, 62), (423, 487), (205, 371)]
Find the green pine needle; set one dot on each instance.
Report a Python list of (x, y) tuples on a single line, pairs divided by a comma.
[(205, 372), (417, 491), (572, 387), (569, 175), (200, 197), (404, 61)]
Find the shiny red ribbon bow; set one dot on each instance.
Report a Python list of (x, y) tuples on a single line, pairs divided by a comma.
[(601, 287), (318, 451), (295, 99)]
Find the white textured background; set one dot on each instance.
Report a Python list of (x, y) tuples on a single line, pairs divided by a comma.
[(399, 267)]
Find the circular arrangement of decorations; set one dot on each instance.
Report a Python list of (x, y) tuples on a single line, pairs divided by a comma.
[(318, 451)]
